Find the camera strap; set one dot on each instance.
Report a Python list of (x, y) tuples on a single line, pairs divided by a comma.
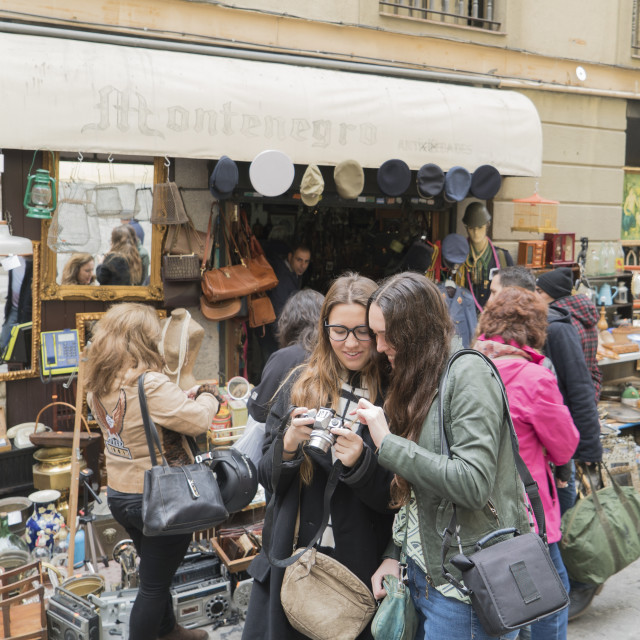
[(330, 487)]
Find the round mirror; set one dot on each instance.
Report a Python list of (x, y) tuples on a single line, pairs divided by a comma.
[(238, 388)]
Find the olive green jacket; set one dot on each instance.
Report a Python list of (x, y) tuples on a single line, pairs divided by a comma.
[(481, 478)]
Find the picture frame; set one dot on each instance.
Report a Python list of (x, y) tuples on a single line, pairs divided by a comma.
[(630, 227)]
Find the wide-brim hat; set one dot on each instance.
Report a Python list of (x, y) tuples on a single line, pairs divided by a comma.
[(224, 178), (394, 177), (312, 186), (271, 173), (455, 249), (220, 310), (430, 180), (485, 182), (349, 178), (457, 182), (476, 215)]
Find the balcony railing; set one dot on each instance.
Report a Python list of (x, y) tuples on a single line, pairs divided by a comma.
[(470, 13)]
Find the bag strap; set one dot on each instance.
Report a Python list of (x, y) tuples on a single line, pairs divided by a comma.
[(332, 482), (182, 349), (189, 229), (530, 484), (150, 430)]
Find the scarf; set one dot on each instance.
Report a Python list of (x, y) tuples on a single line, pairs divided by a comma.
[(496, 347)]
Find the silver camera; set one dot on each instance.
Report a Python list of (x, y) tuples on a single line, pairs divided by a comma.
[(324, 420)]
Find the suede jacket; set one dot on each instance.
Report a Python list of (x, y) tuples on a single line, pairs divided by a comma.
[(481, 478)]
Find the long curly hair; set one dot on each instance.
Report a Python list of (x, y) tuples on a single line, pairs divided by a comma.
[(418, 327), (122, 244), (123, 345)]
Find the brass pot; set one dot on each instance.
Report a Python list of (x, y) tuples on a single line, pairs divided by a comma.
[(84, 584), (53, 468)]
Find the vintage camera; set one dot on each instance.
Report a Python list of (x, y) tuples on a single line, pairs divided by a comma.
[(324, 419)]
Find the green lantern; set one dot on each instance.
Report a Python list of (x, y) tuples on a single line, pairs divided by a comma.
[(40, 196)]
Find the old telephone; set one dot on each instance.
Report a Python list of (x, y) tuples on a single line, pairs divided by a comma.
[(60, 351)]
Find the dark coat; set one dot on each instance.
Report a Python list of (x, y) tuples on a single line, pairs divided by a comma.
[(25, 300), (576, 386), (114, 270), (360, 517)]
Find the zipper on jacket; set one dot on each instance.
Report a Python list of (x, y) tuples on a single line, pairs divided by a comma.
[(493, 510)]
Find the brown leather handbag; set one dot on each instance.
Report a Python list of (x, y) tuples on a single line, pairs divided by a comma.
[(184, 239), (260, 310), (255, 258)]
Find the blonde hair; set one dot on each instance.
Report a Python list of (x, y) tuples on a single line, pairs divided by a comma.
[(73, 266), (124, 340), (123, 244)]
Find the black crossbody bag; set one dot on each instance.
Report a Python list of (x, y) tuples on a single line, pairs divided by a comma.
[(514, 582)]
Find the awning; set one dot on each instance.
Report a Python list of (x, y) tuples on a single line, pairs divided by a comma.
[(69, 95)]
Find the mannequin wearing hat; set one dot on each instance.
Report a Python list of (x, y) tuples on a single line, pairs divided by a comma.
[(459, 300), (483, 255), (179, 345)]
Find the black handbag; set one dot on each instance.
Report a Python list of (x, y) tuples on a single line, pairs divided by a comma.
[(176, 500), (513, 582)]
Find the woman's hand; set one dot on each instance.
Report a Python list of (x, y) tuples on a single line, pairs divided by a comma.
[(348, 446), (297, 433), (191, 393), (374, 418), (389, 567)]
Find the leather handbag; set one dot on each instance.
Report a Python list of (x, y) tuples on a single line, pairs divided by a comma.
[(513, 582), (255, 257), (181, 294), (260, 310), (601, 532), (176, 500), (184, 239), (314, 583), (181, 268)]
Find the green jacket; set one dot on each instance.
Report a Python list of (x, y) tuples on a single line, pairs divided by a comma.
[(481, 478)]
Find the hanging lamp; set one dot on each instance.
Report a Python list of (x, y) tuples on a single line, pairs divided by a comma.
[(40, 196)]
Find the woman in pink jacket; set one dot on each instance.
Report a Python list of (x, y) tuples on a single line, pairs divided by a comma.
[(512, 330)]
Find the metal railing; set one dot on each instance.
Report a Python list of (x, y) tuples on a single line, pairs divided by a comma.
[(470, 13)]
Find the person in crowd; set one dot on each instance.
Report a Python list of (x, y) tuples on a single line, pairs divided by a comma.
[(125, 345), (137, 227), (341, 370), (79, 269), (555, 288), (512, 331), (18, 307), (122, 264), (142, 252), (413, 330)]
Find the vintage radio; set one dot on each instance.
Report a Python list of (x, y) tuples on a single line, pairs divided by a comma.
[(197, 567), (69, 617), (197, 604), (115, 609)]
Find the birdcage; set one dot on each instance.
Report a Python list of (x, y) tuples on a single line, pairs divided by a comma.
[(535, 214), (168, 207)]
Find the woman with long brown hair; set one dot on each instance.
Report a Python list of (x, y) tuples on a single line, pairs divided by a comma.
[(411, 325), (124, 345), (79, 269), (122, 265), (341, 369)]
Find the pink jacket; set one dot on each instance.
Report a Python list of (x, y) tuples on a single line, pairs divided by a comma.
[(545, 430)]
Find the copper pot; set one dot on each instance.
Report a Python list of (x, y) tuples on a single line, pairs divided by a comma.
[(53, 468)]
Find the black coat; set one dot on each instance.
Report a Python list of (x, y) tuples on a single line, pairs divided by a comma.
[(360, 517)]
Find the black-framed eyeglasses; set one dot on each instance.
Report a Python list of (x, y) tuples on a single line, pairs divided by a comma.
[(339, 333)]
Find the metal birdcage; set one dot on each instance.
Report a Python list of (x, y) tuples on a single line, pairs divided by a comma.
[(535, 214), (168, 207)]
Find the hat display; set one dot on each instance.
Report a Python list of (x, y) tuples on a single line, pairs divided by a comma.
[(455, 249), (429, 180), (456, 184), (394, 177), (349, 178), (220, 310), (224, 178), (312, 186), (271, 173), (557, 283), (476, 215), (485, 182)]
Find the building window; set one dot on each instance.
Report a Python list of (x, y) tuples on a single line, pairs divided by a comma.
[(635, 35), (471, 13)]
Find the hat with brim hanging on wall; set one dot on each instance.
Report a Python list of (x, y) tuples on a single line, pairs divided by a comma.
[(349, 178), (456, 184), (220, 310), (312, 186), (485, 182), (224, 178), (394, 177), (271, 173), (430, 180), (455, 249)]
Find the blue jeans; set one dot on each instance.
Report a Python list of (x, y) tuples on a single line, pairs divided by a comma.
[(152, 614), (442, 617), (567, 497)]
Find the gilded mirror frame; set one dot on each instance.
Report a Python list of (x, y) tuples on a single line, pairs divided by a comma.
[(8, 376), (51, 290)]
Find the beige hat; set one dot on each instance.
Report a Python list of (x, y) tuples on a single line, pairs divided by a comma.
[(311, 186), (349, 178), (220, 310)]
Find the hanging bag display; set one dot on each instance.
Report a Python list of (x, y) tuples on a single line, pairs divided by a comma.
[(513, 582), (184, 239), (180, 266), (321, 597), (601, 532), (261, 310), (255, 257), (176, 500)]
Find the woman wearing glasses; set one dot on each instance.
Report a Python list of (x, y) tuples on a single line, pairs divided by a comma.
[(341, 370)]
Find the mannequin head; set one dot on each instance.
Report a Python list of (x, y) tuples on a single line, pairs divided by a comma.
[(476, 219)]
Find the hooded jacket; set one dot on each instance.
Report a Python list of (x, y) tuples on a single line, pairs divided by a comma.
[(574, 380)]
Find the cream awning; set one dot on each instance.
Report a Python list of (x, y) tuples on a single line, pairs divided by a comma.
[(70, 95)]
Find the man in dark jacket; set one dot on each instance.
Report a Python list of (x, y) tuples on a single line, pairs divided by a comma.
[(17, 309)]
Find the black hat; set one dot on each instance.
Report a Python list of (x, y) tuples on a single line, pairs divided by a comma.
[(557, 283), (455, 248), (485, 182), (456, 184), (394, 177), (430, 180), (224, 178)]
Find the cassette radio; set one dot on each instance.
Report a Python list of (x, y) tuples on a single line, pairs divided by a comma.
[(202, 603), (69, 617), (115, 609)]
